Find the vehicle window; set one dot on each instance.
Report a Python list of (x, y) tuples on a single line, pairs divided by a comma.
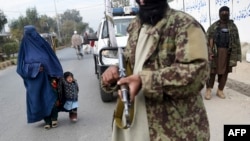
[(121, 26), (105, 30), (98, 31)]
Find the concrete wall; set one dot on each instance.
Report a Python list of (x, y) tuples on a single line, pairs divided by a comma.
[(207, 11)]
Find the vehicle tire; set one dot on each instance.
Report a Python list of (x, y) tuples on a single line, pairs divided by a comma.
[(106, 97), (95, 61)]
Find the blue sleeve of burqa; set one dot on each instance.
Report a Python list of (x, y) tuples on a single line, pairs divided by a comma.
[(35, 52)]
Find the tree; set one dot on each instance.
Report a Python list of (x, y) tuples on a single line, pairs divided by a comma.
[(10, 48), (71, 15), (69, 21), (16, 27), (47, 24), (68, 27), (3, 20), (32, 17)]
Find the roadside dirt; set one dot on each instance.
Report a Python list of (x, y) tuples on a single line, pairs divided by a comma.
[(238, 86), (239, 79)]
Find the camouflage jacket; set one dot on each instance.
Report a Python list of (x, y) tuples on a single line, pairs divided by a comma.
[(234, 41), (172, 77)]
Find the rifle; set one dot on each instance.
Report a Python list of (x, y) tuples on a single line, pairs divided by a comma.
[(124, 88), (124, 105)]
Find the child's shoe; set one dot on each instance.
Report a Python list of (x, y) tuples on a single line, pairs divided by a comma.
[(73, 116)]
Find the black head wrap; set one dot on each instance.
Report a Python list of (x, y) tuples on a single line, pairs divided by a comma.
[(150, 1), (152, 11), (224, 8), (224, 16)]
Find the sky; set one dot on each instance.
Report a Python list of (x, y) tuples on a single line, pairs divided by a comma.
[(91, 10)]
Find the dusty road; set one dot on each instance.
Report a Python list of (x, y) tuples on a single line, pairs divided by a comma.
[(95, 116)]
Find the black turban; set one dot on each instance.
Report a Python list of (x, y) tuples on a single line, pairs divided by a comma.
[(224, 8)]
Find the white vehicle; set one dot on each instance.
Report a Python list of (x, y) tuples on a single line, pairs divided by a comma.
[(104, 54)]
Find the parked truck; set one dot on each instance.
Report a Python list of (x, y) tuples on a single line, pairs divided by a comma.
[(105, 54)]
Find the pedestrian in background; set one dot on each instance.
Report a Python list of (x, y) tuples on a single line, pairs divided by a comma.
[(224, 51), (54, 41), (76, 42), (92, 44), (40, 69), (86, 43), (170, 68)]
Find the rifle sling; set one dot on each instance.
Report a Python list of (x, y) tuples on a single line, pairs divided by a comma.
[(118, 114)]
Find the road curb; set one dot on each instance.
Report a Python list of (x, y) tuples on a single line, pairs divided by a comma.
[(11, 62), (7, 63)]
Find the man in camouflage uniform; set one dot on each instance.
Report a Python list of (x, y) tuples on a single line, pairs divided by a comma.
[(224, 50), (170, 68)]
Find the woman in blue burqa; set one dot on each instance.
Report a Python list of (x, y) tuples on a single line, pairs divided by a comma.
[(39, 67)]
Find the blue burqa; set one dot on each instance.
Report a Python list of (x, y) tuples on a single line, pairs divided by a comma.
[(35, 52)]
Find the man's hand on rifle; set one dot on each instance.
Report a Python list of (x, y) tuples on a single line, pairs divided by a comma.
[(134, 85), (110, 76)]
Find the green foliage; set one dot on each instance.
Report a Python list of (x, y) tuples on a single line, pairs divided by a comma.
[(3, 20), (47, 24), (32, 17), (10, 48), (67, 41), (71, 15), (1, 42), (69, 21)]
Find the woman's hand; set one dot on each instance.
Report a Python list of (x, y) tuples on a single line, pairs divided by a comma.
[(40, 69)]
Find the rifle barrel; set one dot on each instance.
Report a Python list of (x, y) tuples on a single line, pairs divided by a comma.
[(124, 88)]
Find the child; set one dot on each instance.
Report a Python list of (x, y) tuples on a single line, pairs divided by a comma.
[(71, 95)]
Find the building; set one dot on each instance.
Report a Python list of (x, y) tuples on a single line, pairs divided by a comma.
[(207, 12)]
